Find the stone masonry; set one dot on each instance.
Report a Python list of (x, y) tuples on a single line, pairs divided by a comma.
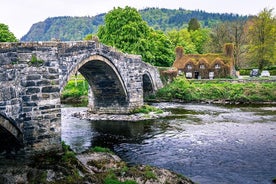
[(33, 74)]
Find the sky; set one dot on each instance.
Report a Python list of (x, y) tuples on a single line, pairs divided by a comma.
[(19, 15)]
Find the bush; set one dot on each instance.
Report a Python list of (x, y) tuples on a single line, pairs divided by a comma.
[(146, 109)]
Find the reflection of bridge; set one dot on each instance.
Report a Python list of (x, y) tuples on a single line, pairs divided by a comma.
[(32, 76)]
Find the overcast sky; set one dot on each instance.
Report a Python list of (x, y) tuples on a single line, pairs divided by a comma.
[(19, 15)]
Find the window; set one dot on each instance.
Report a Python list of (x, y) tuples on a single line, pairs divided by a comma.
[(189, 66), (217, 66), (202, 66), (189, 75)]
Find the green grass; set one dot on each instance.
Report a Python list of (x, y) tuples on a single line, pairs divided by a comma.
[(189, 91), (75, 89), (146, 109), (101, 149)]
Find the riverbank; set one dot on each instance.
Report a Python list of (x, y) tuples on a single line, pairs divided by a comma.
[(91, 167), (217, 91)]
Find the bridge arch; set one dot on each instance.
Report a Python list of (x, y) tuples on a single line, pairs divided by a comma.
[(11, 137), (107, 88), (148, 84)]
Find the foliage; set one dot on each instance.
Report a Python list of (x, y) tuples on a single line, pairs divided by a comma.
[(101, 149), (76, 28), (63, 28), (182, 38), (193, 25), (230, 32), (262, 47), (149, 174), (200, 38), (69, 156), (35, 61), (6, 35), (193, 42), (125, 29), (146, 109), (75, 88), (88, 37), (182, 89)]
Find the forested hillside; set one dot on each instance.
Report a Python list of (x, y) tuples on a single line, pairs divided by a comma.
[(75, 28)]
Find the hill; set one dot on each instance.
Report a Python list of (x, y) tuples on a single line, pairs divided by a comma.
[(75, 28)]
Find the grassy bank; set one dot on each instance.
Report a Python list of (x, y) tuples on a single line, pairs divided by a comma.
[(76, 91), (215, 90)]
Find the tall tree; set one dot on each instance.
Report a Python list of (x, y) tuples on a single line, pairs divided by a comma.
[(200, 38), (125, 29), (262, 47), (193, 25), (230, 32), (6, 35)]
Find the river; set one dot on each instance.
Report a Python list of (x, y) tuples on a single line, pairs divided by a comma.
[(208, 143)]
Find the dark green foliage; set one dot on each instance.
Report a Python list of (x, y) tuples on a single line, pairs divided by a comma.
[(63, 28), (193, 25), (6, 35), (75, 28), (125, 29)]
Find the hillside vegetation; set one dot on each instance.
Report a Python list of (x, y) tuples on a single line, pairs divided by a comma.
[(76, 28)]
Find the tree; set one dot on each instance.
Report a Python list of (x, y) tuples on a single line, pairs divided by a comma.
[(182, 38), (125, 29), (200, 38), (230, 32), (6, 35), (262, 46), (238, 36), (193, 25)]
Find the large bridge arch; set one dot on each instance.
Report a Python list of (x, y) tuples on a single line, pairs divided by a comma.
[(108, 92)]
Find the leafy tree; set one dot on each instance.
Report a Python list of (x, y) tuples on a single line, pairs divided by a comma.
[(6, 35), (193, 25), (200, 38), (182, 38), (230, 32), (194, 42), (262, 47), (219, 36), (125, 29)]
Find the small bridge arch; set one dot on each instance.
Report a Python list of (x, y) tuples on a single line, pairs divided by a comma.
[(11, 138)]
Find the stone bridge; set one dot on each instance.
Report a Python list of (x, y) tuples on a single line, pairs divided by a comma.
[(33, 75)]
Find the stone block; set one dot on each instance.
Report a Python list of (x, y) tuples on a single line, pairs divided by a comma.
[(31, 91), (50, 89)]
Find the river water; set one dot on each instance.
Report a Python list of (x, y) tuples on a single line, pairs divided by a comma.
[(208, 143)]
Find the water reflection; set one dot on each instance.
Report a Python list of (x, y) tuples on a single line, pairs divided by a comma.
[(209, 143)]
